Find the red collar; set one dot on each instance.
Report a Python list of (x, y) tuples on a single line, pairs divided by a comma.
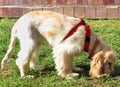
[(91, 52), (87, 36)]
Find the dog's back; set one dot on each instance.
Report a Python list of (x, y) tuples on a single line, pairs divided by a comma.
[(46, 23), (35, 27)]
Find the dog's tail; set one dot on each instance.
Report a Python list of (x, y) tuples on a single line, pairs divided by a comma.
[(10, 49)]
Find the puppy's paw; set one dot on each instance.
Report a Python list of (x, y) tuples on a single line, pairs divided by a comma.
[(27, 76), (69, 75), (99, 76), (72, 75), (2, 67), (78, 69), (103, 75)]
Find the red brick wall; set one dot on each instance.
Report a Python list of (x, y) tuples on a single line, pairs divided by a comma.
[(80, 8)]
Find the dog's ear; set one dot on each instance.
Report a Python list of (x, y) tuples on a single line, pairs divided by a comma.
[(97, 65), (110, 58)]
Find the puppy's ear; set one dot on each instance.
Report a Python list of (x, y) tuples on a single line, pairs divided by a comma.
[(110, 58), (97, 64)]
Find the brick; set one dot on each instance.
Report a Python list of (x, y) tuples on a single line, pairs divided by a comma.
[(49, 2), (80, 12), (54, 2), (90, 12), (20, 2), (40, 2), (68, 11), (90, 2), (1, 2), (117, 2), (11, 2), (112, 13), (101, 12), (111, 2), (8, 12), (17, 12), (13, 12), (105, 2), (79, 2), (97, 2), (1, 12), (16, 2), (119, 13), (100, 2), (72, 2), (58, 9), (37, 9), (44, 2), (6, 2), (48, 9), (61, 2), (26, 10), (33, 2), (85, 2), (25, 1)]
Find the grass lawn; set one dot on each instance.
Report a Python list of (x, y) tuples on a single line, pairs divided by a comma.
[(108, 30)]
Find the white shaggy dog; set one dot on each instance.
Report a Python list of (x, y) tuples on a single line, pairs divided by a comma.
[(65, 35)]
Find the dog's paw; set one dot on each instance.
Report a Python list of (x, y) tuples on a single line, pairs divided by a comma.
[(78, 69), (27, 76), (103, 75), (72, 75), (99, 76), (69, 75), (2, 67)]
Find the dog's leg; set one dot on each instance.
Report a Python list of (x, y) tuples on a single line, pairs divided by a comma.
[(34, 60), (73, 67), (63, 65), (24, 56), (9, 51), (77, 69)]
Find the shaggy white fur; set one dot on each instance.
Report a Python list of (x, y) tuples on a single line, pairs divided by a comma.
[(36, 27)]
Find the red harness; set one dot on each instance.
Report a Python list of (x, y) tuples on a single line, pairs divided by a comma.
[(87, 36)]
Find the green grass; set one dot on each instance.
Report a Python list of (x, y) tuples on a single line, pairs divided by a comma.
[(108, 30)]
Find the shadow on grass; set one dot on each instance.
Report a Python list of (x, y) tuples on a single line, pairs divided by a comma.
[(49, 71), (87, 68), (117, 71), (85, 71)]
